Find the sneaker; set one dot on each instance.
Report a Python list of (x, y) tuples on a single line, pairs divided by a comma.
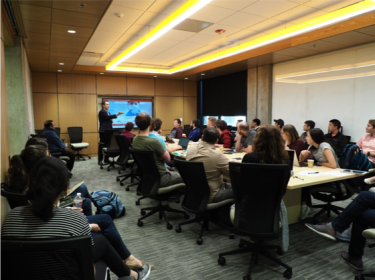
[(369, 181), (323, 230), (305, 210), (372, 189), (144, 272), (356, 264), (345, 235)]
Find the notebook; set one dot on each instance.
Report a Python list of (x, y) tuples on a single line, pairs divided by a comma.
[(184, 142)]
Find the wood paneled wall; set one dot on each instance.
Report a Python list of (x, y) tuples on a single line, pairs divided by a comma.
[(71, 100)]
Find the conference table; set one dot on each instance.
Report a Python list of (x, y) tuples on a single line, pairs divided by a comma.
[(302, 177)]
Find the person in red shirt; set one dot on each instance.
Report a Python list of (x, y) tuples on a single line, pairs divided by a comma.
[(225, 135), (292, 139), (128, 132)]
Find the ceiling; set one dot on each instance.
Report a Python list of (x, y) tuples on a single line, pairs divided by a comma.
[(105, 28)]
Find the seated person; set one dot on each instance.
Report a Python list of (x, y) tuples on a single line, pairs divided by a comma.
[(367, 142), (194, 133), (245, 138), (255, 124), (155, 132), (306, 127), (225, 138), (128, 132), (177, 131), (360, 212), (133, 109), (335, 138), (211, 122), (324, 155), (215, 164), (279, 123), (292, 140), (144, 142), (50, 177), (55, 144)]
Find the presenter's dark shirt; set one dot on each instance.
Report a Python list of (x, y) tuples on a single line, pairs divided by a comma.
[(54, 142), (105, 120)]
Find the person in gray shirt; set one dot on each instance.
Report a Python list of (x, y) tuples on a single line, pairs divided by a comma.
[(245, 138)]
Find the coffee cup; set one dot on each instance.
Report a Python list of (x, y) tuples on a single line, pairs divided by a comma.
[(310, 163)]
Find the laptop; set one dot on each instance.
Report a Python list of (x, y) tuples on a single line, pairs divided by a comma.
[(168, 139), (293, 161), (184, 142)]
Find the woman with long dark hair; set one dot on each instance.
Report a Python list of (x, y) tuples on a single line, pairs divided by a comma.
[(292, 139)]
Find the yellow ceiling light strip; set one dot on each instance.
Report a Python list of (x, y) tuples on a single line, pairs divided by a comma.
[(319, 22), (177, 17)]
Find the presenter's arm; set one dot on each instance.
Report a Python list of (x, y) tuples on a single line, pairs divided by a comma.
[(103, 115)]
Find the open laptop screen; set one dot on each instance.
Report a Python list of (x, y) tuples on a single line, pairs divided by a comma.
[(184, 142)]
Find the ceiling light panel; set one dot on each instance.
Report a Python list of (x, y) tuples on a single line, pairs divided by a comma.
[(192, 25)]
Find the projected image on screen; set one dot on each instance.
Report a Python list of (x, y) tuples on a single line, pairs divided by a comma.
[(232, 120), (131, 109)]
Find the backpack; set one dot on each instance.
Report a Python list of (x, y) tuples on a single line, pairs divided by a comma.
[(108, 203), (353, 158)]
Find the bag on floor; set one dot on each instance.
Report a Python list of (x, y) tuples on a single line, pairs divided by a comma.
[(108, 203), (353, 158)]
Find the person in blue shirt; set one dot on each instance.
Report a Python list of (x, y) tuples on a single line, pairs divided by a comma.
[(194, 133), (55, 144)]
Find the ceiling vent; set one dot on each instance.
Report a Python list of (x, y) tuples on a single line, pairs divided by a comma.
[(192, 25)]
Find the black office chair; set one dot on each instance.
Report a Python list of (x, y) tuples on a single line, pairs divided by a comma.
[(125, 160), (257, 197), (52, 258), (14, 199), (187, 129), (369, 234), (110, 149), (196, 196), (149, 187), (76, 144), (39, 132)]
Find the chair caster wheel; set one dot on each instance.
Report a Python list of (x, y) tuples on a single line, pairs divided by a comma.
[(280, 252), (137, 203), (241, 245), (288, 274), (221, 261), (101, 167), (121, 184), (246, 278), (140, 223), (231, 235), (108, 170), (178, 229), (186, 216), (199, 241), (84, 159), (127, 188), (169, 226), (117, 179), (143, 212), (89, 157)]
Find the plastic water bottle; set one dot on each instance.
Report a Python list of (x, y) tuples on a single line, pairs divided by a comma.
[(77, 202)]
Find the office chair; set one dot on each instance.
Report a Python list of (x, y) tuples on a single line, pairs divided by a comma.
[(197, 195), (39, 132), (369, 234), (110, 149), (149, 187), (257, 197), (125, 161), (51, 258), (76, 144), (187, 129), (14, 199)]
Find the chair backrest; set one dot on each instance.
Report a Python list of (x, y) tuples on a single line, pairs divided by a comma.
[(258, 190), (197, 190), (75, 134), (39, 132), (62, 258), (110, 139), (348, 138), (149, 173), (123, 144), (187, 129), (291, 158), (14, 199), (57, 130)]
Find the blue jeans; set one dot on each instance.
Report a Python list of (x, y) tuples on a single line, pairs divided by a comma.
[(360, 212), (86, 204), (109, 230)]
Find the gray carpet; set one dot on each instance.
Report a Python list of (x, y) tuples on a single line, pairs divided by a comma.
[(177, 256)]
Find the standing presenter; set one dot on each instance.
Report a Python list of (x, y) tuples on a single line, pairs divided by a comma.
[(105, 123)]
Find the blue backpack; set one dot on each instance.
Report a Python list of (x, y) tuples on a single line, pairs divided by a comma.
[(353, 158), (108, 203)]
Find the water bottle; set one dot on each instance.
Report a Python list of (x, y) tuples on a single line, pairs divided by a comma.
[(77, 202)]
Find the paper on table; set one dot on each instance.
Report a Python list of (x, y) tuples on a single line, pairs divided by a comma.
[(337, 173), (306, 173)]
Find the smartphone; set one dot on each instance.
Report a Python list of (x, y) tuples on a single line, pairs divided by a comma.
[(355, 171)]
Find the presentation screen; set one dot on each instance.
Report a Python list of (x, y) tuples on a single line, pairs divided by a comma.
[(232, 120), (130, 107)]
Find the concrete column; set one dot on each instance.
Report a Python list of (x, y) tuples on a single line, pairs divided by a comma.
[(16, 98), (259, 94)]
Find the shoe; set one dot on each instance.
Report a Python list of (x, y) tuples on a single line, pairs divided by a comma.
[(305, 210), (356, 264), (346, 235), (323, 230), (368, 181), (134, 267), (144, 272), (372, 189)]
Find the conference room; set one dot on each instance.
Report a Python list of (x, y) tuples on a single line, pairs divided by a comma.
[(281, 59)]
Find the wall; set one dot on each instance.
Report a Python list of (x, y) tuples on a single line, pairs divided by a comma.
[(337, 85), (72, 100)]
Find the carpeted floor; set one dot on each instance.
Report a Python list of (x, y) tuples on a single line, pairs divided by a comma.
[(177, 256)]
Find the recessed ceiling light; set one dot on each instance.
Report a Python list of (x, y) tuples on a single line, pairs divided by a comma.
[(71, 31), (59, 70), (61, 63), (203, 74), (186, 78), (101, 73), (155, 76)]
